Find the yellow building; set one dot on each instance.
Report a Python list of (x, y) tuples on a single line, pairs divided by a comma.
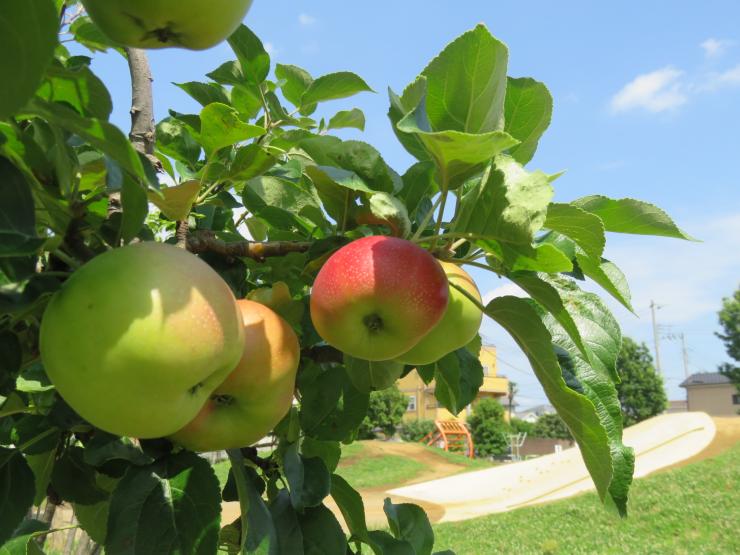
[(423, 404)]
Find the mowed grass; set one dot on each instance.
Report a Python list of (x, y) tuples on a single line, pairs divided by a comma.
[(372, 471), (690, 510)]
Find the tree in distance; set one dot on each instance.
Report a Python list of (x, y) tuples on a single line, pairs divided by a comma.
[(193, 24), (139, 337), (458, 326), (376, 297), (256, 394)]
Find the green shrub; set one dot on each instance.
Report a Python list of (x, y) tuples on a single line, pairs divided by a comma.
[(489, 429), (551, 425), (519, 426), (385, 412), (415, 430)]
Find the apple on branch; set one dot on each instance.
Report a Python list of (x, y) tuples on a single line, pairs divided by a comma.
[(376, 297), (139, 337)]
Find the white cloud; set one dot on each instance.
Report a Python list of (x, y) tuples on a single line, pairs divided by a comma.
[(728, 78), (305, 19), (503, 290), (270, 48), (714, 48), (656, 91)]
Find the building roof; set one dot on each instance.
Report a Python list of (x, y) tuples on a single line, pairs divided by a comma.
[(538, 410), (705, 378)]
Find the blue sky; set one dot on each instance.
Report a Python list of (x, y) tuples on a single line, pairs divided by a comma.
[(647, 105)]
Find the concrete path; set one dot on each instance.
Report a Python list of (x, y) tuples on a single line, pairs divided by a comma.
[(659, 442)]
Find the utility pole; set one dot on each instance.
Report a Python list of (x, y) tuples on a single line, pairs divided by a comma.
[(685, 355), (656, 337)]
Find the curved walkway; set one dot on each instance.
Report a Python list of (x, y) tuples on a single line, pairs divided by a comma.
[(659, 442)]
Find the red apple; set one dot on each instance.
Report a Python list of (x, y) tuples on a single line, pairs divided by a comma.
[(377, 297)]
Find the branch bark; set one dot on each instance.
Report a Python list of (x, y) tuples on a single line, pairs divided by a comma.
[(142, 134), (206, 241)]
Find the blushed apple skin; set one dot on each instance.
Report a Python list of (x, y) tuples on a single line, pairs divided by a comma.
[(256, 394), (138, 338), (458, 326), (193, 24), (376, 297)]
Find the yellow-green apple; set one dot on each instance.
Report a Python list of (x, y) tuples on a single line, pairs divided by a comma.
[(139, 337), (193, 24), (376, 297), (458, 326), (257, 393)]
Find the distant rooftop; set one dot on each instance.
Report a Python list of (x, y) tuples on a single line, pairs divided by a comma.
[(705, 378)]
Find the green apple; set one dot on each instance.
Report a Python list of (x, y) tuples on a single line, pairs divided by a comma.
[(193, 24), (139, 337), (256, 394), (376, 297), (457, 327)]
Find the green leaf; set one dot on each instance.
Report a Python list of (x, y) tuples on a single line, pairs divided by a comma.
[(322, 534), (228, 73), (17, 486), (205, 93), (104, 447), (628, 215), (175, 202), (246, 99), (348, 118), (367, 375), (409, 522), (254, 60), (75, 480), (287, 527), (294, 82), (17, 213), (400, 106), (363, 160), (28, 36), (458, 376), (41, 465), (327, 451), (351, 506), (528, 110), (293, 198), (250, 161), (135, 208), (173, 506), (79, 88), (308, 478), (418, 183), (221, 127), (583, 227), (175, 140), (387, 210), (523, 323), (92, 37), (338, 191), (261, 536), (331, 406), (545, 258), (385, 544), (608, 275), (466, 84), (333, 86), (100, 134), (23, 542), (508, 204), (458, 155), (548, 296)]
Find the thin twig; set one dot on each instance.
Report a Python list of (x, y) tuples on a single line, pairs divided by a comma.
[(428, 216)]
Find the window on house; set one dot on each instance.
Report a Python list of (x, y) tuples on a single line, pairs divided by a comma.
[(411, 407), (486, 370), (736, 399)]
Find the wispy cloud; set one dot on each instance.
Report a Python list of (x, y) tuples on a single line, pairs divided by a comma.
[(714, 48), (719, 80), (656, 91), (305, 19)]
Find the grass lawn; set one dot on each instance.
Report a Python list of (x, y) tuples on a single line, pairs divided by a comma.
[(694, 509), (462, 460), (372, 472)]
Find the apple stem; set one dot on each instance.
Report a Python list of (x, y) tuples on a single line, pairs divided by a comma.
[(470, 297), (428, 216)]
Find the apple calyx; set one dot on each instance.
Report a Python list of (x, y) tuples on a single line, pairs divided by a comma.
[(373, 323), (223, 400)]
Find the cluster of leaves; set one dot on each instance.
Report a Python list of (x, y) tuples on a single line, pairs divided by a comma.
[(416, 430), (489, 429), (552, 426), (384, 413), (729, 320), (641, 391), (257, 163)]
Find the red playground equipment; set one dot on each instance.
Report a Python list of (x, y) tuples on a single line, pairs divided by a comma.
[(451, 435)]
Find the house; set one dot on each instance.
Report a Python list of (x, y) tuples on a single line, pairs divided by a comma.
[(532, 414), (423, 404), (678, 405), (713, 393)]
